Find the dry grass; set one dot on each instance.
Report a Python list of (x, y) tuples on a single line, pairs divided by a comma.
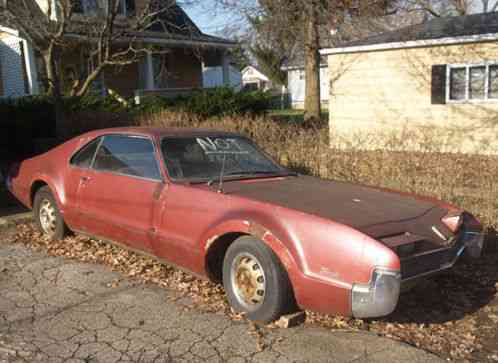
[(468, 181)]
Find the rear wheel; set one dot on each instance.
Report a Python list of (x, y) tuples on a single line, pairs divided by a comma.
[(48, 218), (255, 281)]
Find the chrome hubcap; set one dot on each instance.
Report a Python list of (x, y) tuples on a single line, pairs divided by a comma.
[(47, 217), (248, 281)]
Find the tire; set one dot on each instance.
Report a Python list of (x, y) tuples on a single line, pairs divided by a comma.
[(255, 281), (47, 216)]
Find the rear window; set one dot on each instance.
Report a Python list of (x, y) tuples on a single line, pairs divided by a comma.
[(128, 155), (84, 157)]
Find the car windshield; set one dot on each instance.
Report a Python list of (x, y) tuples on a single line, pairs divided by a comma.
[(203, 158)]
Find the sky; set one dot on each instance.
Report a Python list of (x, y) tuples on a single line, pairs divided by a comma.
[(211, 18)]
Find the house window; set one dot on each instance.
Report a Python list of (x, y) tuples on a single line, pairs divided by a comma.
[(125, 7), (472, 83)]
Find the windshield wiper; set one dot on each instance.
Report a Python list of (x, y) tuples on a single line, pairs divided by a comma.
[(252, 172)]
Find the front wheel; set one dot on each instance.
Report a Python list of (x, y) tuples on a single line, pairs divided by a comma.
[(255, 281), (48, 218)]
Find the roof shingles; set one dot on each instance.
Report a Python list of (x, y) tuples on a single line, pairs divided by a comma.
[(446, 27)]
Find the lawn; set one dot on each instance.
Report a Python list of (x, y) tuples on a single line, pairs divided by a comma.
[(292, 115)]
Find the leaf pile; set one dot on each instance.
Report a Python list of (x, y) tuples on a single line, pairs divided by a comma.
[(454, 315)]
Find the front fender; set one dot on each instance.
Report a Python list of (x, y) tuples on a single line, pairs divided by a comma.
[(281, 244)]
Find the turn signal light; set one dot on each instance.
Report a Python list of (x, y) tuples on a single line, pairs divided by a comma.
[(453, 222)]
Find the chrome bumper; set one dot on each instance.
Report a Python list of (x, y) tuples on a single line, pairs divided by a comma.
[(379, 297)]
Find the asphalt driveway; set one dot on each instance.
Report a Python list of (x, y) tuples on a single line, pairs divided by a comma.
[(54, 309)]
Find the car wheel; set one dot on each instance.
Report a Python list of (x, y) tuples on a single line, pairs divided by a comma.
[(48, 219), (255, 281)]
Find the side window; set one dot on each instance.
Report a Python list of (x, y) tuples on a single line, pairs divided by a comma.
[(128, 155), (84, 157)]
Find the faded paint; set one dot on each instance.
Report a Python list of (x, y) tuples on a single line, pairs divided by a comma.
[(186, 220)]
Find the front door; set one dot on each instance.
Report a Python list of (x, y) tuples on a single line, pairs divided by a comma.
[(119, 197)]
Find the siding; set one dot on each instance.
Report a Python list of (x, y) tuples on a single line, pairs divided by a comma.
[(12, 67), (384, 92), (297, 86)]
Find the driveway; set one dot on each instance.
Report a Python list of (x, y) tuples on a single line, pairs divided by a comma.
[(54, 309)]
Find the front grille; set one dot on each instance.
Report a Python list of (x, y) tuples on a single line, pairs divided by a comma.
[(424, 263)]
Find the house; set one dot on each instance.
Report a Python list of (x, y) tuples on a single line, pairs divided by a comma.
[(255, 79), (180, 54), (213, 77), (436, 81), (296, 83)]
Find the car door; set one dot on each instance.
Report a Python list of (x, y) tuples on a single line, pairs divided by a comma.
[(119, 198), (74, 179)]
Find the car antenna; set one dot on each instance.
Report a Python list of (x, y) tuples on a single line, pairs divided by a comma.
[(220, 184)]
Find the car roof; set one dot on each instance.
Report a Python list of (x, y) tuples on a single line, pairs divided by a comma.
[(158, 132)]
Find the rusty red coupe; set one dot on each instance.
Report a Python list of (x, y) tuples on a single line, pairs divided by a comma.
[(213, 203)]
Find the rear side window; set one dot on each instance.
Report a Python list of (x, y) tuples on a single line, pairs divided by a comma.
[(84, 157), (128, 155)]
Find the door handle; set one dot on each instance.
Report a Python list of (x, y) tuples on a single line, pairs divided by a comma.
[(85, 179)]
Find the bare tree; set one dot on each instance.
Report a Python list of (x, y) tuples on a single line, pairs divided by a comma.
[(286, 25), (440, 8), (55, 27)]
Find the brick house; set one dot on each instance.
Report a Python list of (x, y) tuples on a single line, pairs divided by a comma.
[(438, 80), (184, 53)]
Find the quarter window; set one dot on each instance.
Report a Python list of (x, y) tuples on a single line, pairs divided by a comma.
[(128, 155), (84, 157), (472, 82)]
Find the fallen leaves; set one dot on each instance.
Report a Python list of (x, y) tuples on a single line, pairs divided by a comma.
[(454, 315)]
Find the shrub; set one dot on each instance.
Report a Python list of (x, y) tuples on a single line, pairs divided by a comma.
[(468, 181), (220, 101)]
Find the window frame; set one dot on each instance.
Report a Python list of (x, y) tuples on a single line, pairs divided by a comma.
[(80, 149), (467, 67), (155, 152)]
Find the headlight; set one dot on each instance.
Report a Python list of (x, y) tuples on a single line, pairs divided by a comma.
[(379, 297)]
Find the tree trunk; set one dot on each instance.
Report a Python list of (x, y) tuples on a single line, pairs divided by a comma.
[(54, 90), (312, 65)]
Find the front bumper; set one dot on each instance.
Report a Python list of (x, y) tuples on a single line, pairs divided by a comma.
[(377, 298), (380, 296), (468, 243)]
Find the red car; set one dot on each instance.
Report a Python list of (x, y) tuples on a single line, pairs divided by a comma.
[(213, 203)]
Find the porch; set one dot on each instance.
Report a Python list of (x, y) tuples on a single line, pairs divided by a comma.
[(170, 72)]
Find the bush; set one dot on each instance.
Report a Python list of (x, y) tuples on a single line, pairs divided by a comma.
[(468, 181), (221, 101)]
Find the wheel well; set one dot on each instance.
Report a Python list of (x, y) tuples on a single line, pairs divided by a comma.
[(37, 185), (216, 254)]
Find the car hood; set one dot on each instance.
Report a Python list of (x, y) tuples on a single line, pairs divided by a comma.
[(361, 207)]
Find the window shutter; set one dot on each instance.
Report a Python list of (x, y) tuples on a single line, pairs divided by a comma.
[(130, 7), (77, 6), (438, 84)]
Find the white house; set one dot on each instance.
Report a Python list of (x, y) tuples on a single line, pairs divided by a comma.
[(254, 79), (296, 87), (18, 76)]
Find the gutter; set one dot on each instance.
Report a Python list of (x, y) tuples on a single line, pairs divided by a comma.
[(171, 42), (412, 44)]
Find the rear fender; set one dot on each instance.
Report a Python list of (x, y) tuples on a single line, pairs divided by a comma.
[(57, 191)]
